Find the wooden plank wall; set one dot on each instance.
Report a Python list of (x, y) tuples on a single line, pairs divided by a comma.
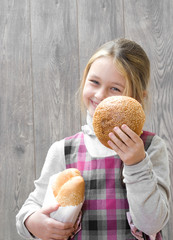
[(44, 46)]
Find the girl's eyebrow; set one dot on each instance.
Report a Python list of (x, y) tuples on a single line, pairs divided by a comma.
[(119, 84), (94, 76)]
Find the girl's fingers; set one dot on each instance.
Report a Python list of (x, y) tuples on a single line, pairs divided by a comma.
[(133, 136), (62, 226), (124, 137), (113, 146), (116, 144), (129, 147), (63, 233), (59, 236), (123, 142), (63, 229), (117, 141), (127, 136), (59, 230), (50, 209)]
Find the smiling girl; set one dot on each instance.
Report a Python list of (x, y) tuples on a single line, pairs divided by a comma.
[(136, 209)]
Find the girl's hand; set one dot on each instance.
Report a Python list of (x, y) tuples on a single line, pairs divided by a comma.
[(130, 148), (42, 226)]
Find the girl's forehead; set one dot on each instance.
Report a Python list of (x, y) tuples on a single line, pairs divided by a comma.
[(105, 68), (102, 63)]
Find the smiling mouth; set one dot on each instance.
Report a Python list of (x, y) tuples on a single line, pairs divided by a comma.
[(94, 104)]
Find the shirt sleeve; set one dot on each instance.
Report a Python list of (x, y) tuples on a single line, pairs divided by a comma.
[(148, 189), (54, 163)]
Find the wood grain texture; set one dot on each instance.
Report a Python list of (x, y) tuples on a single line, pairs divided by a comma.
[(150, 24), (17, 166), (99, 21), (44, 48), (55, 73)]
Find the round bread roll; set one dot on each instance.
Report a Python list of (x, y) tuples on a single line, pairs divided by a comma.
[(116, 111), (69, 187)]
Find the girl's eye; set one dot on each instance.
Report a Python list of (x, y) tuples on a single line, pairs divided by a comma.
[(115, 89), (94, 81)]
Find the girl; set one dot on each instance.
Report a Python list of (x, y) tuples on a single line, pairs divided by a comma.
[(138, 206)]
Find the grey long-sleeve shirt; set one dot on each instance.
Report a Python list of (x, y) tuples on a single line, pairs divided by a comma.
[(147, 183)]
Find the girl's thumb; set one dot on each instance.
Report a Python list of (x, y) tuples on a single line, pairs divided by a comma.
[(50, 209)]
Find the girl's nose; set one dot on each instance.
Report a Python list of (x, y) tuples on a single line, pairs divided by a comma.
[(100, 94)]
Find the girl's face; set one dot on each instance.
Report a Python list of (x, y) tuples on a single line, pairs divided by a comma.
[(103, 80)]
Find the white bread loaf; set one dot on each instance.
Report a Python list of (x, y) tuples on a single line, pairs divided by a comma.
[(69, 187)]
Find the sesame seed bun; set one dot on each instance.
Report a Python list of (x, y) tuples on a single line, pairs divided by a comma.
[(116, 111)]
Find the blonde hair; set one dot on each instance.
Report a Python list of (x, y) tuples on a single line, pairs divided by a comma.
[(131, 61)]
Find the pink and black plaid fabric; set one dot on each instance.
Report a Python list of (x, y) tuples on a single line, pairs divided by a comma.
[(105, 206)]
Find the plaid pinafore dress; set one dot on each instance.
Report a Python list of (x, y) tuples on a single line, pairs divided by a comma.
[(105, 206)]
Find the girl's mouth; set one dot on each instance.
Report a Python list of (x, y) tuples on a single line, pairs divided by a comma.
[(95, 104)]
